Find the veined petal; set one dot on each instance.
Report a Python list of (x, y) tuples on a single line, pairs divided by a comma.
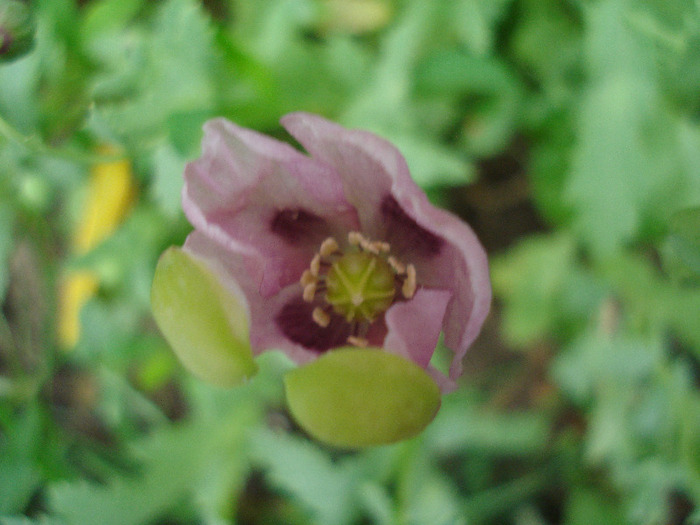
[(461, 267), (256, 195), (414, 326), (241, 271), (362, 160), (445, 251)]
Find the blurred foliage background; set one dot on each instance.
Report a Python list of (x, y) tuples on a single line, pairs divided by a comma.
[(566, 132)]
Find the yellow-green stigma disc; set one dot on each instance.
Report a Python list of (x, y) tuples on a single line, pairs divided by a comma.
[(360, 286)]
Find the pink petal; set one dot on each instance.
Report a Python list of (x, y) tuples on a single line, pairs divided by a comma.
[(238, 271), (256, 195), (446, 384), (362, 159), (444, 249), (461, 267), (414, 326)]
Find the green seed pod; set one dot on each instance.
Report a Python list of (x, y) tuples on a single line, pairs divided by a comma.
[(16, 29)]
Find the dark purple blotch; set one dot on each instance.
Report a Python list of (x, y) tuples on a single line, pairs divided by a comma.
[(405, 234), (296, 322), (293, 225)]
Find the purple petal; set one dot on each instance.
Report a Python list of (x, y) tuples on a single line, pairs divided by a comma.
[(362, 159), (461, 267), (266, 331), (445, 251), (445, 383), (258, 196), (414, 326)]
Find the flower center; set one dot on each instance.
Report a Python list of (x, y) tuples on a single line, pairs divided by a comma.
[(359, 284)]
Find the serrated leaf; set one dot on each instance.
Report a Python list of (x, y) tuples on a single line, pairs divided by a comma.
[(175, 73), (622, 135), (307, 472), (172, 463)]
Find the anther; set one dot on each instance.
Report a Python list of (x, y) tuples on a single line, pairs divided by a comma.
[(396, 265), (358, 341), (409, 285), (321, 317), (368, 247), (383, 247), (328, 247), (315, 266), (309, 292), (355, 238), (307, 278)]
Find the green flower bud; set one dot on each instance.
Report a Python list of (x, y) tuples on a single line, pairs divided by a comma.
[(205, 324), (360, 397)]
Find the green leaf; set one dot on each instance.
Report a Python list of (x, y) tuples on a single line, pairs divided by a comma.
[(432, 164), (461, 425), (434, 502), (166, 189), (206, 325), (625, 168), (174, 73), (485, 81), (298, 467), (23, 520), (586, 506), (361, 397), (7, 224), (108, 15), (547, 43), (174, 462), (476, 22), (534, 280), (20, 471), (681, 251)]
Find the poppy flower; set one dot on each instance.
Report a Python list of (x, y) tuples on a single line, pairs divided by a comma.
[(334, 249)]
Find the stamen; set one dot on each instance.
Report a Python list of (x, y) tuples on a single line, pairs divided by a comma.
[(321, 317), (368, 247), (358, 341), (328, 247), (409, 285), (355, 238), (359, 283), (396, 265), (309, 292), (307, 278), (315, 266), (382, 246)]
